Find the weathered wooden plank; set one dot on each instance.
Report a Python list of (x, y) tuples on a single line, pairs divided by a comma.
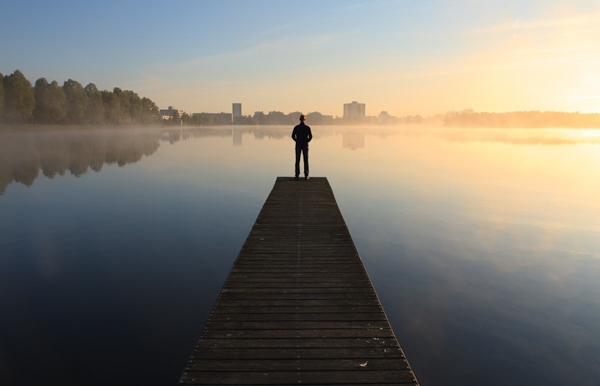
[(298, 334), (297, 310), (319, 276), (298, 306), (294, 302), (298, 285), (296, 364), (306, 290), (297, 343), (299, 256), (350, 279), (295, 325), (297, 296), (306, 317), (356, 377), (298, 269), (294, 353)]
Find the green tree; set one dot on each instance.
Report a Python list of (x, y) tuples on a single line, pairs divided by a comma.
[(276, 118), (42, 97), (49, 102), (77, 101), (19, 101), (176, 120), (111, 106), (94, 111), (58, 102), (124, 105), (135, 106), (294, 118), (259, 118), (1, 94), (149, 111), (186, 119)]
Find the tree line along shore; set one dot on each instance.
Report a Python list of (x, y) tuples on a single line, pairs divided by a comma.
[(50, 103)]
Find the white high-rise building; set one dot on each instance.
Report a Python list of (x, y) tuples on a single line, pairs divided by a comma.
[(354, 110)]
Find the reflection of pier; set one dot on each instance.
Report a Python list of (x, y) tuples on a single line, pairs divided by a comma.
[(353, 140), (298, 306)]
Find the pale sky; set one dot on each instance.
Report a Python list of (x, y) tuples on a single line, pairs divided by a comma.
[(405, 57)]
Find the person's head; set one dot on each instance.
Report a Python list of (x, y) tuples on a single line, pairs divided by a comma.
[(302, 118)]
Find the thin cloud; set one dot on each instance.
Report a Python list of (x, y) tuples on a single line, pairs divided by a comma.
[(353, 7), (273, 31), (520, 26), (282, 46)]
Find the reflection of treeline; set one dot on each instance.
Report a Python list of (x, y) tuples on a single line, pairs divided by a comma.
[(176, 135), (22, 155), (71, 103), (537, 119)]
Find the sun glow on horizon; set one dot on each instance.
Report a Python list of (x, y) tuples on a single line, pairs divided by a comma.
[(547, 62)]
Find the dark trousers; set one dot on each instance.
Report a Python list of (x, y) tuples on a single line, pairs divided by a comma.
[(304, 151)]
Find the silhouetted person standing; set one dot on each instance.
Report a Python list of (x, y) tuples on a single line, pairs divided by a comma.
[(302, 136)]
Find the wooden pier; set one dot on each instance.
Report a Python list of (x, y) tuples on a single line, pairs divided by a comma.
[(298, 306)]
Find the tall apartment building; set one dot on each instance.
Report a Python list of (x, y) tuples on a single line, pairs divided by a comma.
[(354, 110), (237, 110)]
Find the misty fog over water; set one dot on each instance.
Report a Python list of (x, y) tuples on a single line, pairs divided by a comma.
[(482, 244)]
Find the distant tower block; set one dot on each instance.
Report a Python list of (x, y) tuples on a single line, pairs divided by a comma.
[(237, 110), (354, 110)]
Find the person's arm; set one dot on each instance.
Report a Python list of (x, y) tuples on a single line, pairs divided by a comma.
[(294, 135), (309, 135)]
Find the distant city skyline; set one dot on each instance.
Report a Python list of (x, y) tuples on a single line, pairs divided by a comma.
[(403, 57), (351, 111)]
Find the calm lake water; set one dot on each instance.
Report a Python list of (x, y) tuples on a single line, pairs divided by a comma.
[(483, 245)]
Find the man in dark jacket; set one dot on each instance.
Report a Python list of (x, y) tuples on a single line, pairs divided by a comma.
[(302, 136)]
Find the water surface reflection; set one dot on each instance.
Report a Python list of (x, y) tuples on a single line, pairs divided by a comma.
[(24, 154), (483, 245)]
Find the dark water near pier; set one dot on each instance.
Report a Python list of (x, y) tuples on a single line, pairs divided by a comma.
[(483, 245)]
